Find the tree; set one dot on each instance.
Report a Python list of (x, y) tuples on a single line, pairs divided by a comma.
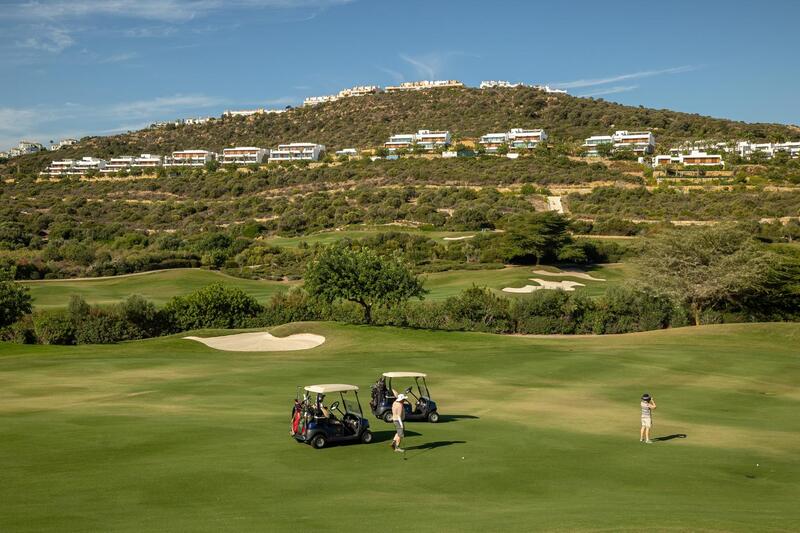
[(14, 302), (536, 236), (605, 149), (502, 149), (214, 306), (361, 276), (705, 267)]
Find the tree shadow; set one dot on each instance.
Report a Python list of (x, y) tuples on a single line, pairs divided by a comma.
[(670, 437), (386, 436), (443, 419)]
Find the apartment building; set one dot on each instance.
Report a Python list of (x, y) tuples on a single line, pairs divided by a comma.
[(198, 120), (746, 149), (85, 165), (25, 147), (500, 84), (492, 141), (315, 100), (63, 143), (701, 146), (244, 155), (424, 84), (349, 152), (695, 158), (359, 90), (297, 152), (548, 89), (147, 161), (189, 158), (592, 144), (58, 168), (425, 139), (518, 138), (117, 164)]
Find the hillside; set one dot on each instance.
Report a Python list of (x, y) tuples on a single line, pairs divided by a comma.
[(368, 121)]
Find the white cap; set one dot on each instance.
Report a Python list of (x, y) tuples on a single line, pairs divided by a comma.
[(400, 397)]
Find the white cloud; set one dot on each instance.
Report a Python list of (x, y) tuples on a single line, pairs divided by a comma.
[(611, 90), (163, 10), (118, 58), (424, 66), (47, 39), (396, 76), (622, 77)]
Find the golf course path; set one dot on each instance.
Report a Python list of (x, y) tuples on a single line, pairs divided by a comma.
[(261, 342)]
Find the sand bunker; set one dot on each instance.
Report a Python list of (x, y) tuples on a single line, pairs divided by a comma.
[(458, 238), (261, 341), (547, 285), (568, 273)]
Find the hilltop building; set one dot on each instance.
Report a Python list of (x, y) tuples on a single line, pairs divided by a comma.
[(297, 152), (250, 112), (25, 147), (147, 161), (244, 155), (695, 158), (119, 163), (349, 152), (358, 90), (63, 143), (74, 167), (424, 84)]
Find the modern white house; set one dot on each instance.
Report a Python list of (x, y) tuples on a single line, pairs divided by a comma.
[(422, 85), (25, 147), (63, 143), (592, 144), (147, 161), (250, 112), (358, 90), (548, 89), (640, 142), (189, 158), (116, 164), (297, 152), (349, 152), (745, 149), (492, 141), (244, 155), (87, 164), (695, 159), (400, 140), (500, 84)]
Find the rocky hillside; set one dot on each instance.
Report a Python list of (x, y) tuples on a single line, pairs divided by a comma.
[(367, 121)]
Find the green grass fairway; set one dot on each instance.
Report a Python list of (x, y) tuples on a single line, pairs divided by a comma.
[(537, 434), (162, 285), (445, 284), (360, 232), (157, 286)]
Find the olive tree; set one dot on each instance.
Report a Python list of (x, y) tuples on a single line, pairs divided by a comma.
[(361, 276)]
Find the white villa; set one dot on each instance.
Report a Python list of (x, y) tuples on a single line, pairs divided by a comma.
[(514, 138), (250, 112), (147, 161), (695, 158), (244, 155), (358, 90), (297, 152), (189, 158), (116, 164), (349, 152)]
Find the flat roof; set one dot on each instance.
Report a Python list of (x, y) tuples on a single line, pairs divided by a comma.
[(404, 375), (330, 387)]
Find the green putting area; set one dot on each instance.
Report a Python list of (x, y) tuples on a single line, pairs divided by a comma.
[(536, 433), (160, 286)]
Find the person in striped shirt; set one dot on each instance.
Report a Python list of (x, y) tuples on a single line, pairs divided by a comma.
[(647, 404)]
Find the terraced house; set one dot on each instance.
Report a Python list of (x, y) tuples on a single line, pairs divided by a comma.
[(297, 152), (694, 159), (244, 155), (189, 158)]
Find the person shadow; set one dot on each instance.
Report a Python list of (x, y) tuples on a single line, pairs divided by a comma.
[(670, 437), (435, 444), (443, 419), (386, 436)]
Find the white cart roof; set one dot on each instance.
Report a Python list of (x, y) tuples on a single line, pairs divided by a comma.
[(403, 375), (330, 387)]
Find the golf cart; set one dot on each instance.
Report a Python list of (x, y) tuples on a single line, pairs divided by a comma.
[(383, 395), (315, 424)]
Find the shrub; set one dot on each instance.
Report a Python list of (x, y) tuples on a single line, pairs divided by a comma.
[(54, 328), (552, 312), (478, 309), (213, 306), (14, 302), (628, 309)]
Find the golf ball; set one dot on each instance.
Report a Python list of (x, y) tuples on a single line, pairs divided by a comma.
[(462, 457)]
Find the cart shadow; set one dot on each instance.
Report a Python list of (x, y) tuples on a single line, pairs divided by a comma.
[(443, 419), (386, 436), (670, 437)]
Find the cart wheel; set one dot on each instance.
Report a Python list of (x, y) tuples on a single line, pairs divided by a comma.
[(319, 441), (433, 417), (387, 417), (366, 437)]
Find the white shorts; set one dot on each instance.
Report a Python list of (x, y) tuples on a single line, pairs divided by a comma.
[(647, 422)]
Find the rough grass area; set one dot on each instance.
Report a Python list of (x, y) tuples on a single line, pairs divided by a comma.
[(536, 434)]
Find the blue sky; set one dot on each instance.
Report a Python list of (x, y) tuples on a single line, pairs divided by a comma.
[(80, 67)]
